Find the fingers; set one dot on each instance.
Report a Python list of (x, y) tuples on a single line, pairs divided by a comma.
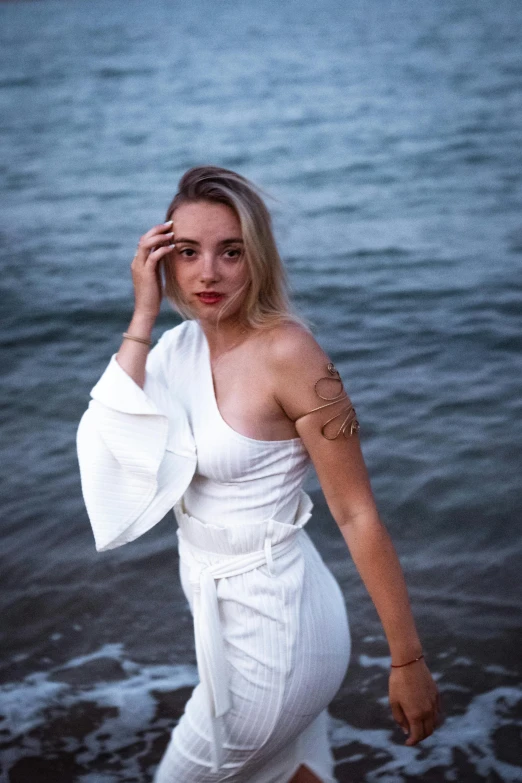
[(142, 267), (422, 726), (400, 717), (146, 271), (418, 727), (429, 725), (417, 720), (148, 244), (158, 236), (158, 252), (161, 228), (416, 732), (415, 701)]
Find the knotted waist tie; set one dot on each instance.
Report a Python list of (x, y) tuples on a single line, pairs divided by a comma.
[(198, 541)]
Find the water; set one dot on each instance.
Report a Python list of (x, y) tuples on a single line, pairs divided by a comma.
[(388, 138)]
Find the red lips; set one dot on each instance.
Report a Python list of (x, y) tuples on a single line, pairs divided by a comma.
[(210, 297)]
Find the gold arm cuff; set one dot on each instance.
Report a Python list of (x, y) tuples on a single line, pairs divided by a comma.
[(349, 424)]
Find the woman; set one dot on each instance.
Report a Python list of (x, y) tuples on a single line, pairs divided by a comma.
[(221, 420)]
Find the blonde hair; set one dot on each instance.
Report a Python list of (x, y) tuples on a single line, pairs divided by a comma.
[(267, 301)]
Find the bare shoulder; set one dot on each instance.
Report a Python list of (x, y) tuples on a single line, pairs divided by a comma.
[(297, 362), (291, 345), (308, 389)]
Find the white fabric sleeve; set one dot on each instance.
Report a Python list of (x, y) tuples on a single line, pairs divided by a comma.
[(136, 452)]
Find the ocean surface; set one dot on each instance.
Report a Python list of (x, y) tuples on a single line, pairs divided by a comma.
[(388, 137)]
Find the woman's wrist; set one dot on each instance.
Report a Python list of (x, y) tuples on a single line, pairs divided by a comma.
[(405, 651), (141, 325), (408, 663)]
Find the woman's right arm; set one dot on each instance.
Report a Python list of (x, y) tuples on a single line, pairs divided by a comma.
[(135, 446), (153, 246)]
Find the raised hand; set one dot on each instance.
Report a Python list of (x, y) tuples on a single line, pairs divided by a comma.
[(153, 246)]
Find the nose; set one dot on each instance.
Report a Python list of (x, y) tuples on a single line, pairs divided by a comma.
[(209, 272)]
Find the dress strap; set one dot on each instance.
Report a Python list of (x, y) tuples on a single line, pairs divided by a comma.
[(323, 388)]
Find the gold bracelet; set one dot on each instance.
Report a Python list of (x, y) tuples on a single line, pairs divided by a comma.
[(137, 339), (400, 665)]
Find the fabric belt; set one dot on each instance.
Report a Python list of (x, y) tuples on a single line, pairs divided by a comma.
[(210, 647)]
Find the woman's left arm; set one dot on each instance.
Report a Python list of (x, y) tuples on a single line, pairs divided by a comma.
[(310, 402)]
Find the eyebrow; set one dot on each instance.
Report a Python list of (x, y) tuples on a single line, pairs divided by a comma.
[(230, 241)]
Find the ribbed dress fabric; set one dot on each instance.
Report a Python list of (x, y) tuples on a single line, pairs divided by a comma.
[(272, 636)]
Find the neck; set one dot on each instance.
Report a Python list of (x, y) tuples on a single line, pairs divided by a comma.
[(224, 335)]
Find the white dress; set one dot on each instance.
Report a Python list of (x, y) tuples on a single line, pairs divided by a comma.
[(271, 631)]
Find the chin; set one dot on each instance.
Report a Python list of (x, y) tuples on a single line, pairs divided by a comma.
[(219, 313)]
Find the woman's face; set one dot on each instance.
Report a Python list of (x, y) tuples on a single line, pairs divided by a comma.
[(209, 260)]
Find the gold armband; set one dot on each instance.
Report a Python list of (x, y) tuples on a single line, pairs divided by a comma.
[(331, 388)]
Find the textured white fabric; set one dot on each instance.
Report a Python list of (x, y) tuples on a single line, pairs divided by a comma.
[(249, 547), (136, 452), (272, 637), (237, 478)]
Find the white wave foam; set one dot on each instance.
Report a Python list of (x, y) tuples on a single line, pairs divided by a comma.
[(471, 733), (33, 702), (25, 707)]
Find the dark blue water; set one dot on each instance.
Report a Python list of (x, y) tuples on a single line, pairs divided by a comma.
[(388, 137)]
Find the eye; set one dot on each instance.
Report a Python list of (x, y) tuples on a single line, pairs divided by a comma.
[(187, 252), (233, 253)]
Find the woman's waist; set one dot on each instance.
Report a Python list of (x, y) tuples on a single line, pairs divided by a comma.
[(229, 505), (248, 533)]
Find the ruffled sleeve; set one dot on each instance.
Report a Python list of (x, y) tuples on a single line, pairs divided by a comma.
[(135, 449)]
